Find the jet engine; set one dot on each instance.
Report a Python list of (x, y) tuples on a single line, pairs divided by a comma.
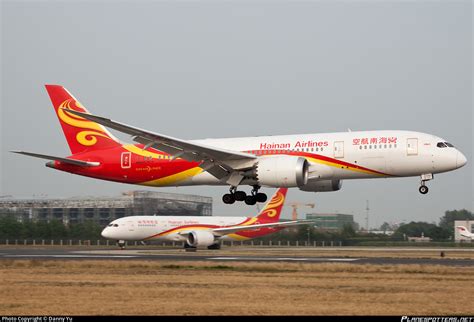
[(282, 171), (200, 238), (322, 185)]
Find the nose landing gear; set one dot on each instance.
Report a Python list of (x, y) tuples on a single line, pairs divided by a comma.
[(121, 244), (423, 188)]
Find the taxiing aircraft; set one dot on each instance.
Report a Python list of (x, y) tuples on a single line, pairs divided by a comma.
[(201, 231), (464, 232), (310, 162)]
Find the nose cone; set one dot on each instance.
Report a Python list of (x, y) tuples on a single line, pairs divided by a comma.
[(106, 233), (460, 160)]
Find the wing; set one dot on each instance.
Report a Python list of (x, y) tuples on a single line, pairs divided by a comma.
[(63, 160), (282, 224), (219, 162)]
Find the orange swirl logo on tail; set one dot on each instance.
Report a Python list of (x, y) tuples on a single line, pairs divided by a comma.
[(276, 202), (92, 130)]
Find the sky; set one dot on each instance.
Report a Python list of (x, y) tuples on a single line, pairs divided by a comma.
[(210, 69)]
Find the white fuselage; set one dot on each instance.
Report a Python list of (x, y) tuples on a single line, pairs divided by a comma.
[(385, 153), (166, 228)]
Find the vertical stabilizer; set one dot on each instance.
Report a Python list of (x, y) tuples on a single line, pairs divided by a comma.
[(81, 134)]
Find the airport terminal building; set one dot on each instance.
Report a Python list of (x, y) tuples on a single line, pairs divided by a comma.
[(105, 209)]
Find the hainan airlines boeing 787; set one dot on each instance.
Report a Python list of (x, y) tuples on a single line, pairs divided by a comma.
[(201, 231), (310, 162)]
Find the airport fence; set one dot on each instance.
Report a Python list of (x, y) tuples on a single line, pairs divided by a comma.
[(103, 242)]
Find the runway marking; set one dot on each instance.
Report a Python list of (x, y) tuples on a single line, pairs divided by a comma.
[(287, 259), (74, 256)]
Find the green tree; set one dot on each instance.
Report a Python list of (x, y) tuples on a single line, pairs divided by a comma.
[(57, 229), (447, 221), (10, 228), (416, 229), (348, 231), (385, 226)]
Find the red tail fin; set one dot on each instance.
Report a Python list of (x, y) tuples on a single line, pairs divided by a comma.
[(81, 134), (272, 211)]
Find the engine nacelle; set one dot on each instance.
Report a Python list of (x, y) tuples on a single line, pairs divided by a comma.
[(200, 238), (322, 185), (282, 171)]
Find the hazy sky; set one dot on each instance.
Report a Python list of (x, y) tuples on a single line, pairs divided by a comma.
[(202, 69)]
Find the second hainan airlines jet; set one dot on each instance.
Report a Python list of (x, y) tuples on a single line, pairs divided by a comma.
[(201, 231), (311, 162), (464, 232)]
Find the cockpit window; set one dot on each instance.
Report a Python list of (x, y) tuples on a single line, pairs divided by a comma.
[(441, 145), (115, 225), (110, 225), (449, 144)]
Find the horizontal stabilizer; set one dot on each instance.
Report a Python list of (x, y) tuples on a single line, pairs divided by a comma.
[(63, 160)]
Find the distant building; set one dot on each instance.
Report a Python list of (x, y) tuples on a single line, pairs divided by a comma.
[(469, 224), (105, 209), (421, 239), (382, 232), (332, 221)]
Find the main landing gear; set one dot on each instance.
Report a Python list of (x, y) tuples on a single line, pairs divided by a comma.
[(423, 188), (252, 199)]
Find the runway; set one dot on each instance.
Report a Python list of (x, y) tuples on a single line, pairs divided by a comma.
[(229, 255)]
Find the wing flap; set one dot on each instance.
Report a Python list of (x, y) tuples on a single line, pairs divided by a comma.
[(187, 150)]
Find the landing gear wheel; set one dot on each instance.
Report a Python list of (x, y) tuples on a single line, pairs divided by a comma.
[(215, 246), (261, 197), (250, 200), (121, 244), (189, 248), (240, 195), (423, 190), (228, 198)]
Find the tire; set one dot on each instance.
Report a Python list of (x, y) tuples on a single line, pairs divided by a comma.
[(240, 195), (261, 197), (215, 246), (423, 190), (228, 198), (250, 200)]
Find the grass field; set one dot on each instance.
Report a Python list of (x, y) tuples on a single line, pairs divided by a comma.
[(86, 287), (349, 252)]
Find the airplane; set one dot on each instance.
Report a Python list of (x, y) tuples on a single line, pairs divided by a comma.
[(464, 232), (310, 162), (201, 231)]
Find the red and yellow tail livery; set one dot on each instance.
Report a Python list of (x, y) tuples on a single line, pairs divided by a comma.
[(81, 134)]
